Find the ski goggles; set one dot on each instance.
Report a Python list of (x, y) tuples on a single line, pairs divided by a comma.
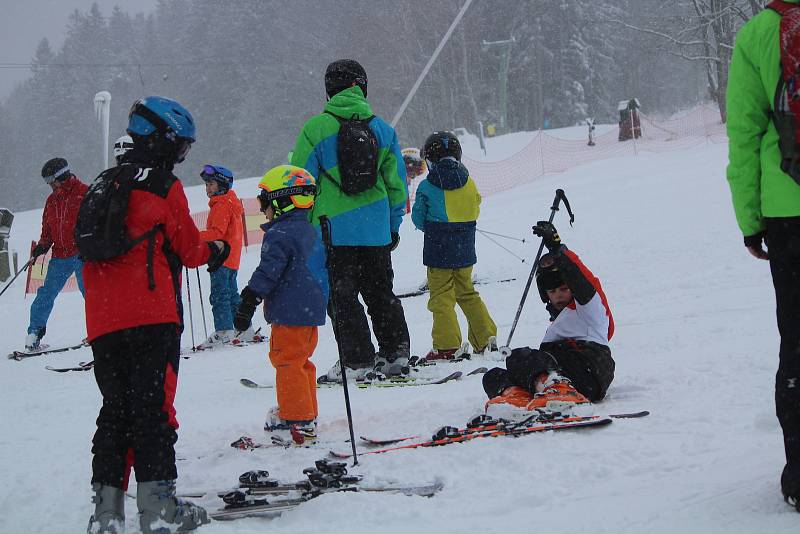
[(210, 172), (55, 176)]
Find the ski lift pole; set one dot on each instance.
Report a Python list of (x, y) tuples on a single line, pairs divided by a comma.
[(553, 209), (30, 261), (202, 305), (326, 239), (189, 296)]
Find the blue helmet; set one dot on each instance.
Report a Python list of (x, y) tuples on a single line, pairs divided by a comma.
[(161, 127), (217, 173)]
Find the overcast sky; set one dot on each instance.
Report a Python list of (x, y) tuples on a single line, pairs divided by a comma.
[(23, 23)]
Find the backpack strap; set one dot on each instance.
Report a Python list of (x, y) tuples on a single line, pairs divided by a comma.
[(781, 7), (342, 119), (150, 236)]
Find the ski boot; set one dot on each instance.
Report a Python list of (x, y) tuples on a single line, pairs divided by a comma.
[(490, 351), (354, 374), (217, 339), (556, 394), (461, 353), (248, 336), (33, 340), (289, 433), (160, 512), (510, 405), (395, 364), (109, 510)]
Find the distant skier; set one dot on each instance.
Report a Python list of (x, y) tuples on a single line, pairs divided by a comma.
[(573, 364), (134, 318), (292, 281), (364, 197), (446, 209), (225, 223), (58, 232)]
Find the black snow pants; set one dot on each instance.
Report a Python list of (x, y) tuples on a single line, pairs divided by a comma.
[(366, 271), (589, 366), (136, 370), (783, 242)]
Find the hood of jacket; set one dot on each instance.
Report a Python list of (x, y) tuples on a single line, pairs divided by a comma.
[(229, 198), (448, 174), (349, 103)]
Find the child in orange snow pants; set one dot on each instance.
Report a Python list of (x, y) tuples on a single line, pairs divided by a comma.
[(290, 348)]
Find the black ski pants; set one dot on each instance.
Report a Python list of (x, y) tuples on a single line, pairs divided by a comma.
[(783, 242), (589, 366), (365, 271), (136, 370)]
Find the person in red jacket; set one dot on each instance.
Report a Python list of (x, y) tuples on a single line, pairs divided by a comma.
[(224, 222), (58, 228), (134, 322)]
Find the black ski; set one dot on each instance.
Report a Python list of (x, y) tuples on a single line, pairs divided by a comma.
[(21, 354), (82, 366), (260, 495)]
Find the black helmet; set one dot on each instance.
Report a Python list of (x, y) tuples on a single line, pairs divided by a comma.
[(440, 145), (56, 169), (548, 276), (343, 73)]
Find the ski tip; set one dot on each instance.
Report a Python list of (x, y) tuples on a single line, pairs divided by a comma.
[(631, 415), (247, 382)]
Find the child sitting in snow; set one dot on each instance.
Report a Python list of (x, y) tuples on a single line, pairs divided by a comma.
[(573, 364), (292, 280), (446, 208)]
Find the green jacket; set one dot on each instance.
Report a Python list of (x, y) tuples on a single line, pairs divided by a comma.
[(368, 218), (758, 186)]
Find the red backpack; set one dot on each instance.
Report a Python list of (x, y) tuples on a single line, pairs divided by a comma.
[(786, 107)]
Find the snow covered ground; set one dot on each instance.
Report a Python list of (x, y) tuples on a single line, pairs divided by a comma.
[(696, 344)]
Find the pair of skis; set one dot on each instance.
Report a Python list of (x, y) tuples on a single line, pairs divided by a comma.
[(485, 427), (390, 382), (258, 494)]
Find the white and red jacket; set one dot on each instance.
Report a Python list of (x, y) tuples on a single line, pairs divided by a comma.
[(59, 216), (588, 317)]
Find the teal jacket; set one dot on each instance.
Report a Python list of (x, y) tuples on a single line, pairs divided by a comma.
[(446, 208), (368, 218), (758, 186)]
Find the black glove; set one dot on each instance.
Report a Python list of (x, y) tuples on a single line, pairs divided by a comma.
[(218, 255), (395, 241), (753, 244), (39, 250), (549, 235), (244, 315)]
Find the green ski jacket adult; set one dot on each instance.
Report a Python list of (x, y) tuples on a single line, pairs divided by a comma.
[(759, 187), (364, 219)]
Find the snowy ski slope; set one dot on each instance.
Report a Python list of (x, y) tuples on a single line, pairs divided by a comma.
[(696, 344)]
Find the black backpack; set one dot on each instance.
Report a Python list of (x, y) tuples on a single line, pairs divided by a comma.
[(357, 154), (100, 231)]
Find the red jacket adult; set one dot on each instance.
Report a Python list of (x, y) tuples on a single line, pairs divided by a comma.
[(59, 216), (118, 294), (225, 223)]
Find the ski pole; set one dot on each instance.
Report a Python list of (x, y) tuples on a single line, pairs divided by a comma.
[(326, 238), (191, 320), (30, 261), (553, 209), (202, 304)]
